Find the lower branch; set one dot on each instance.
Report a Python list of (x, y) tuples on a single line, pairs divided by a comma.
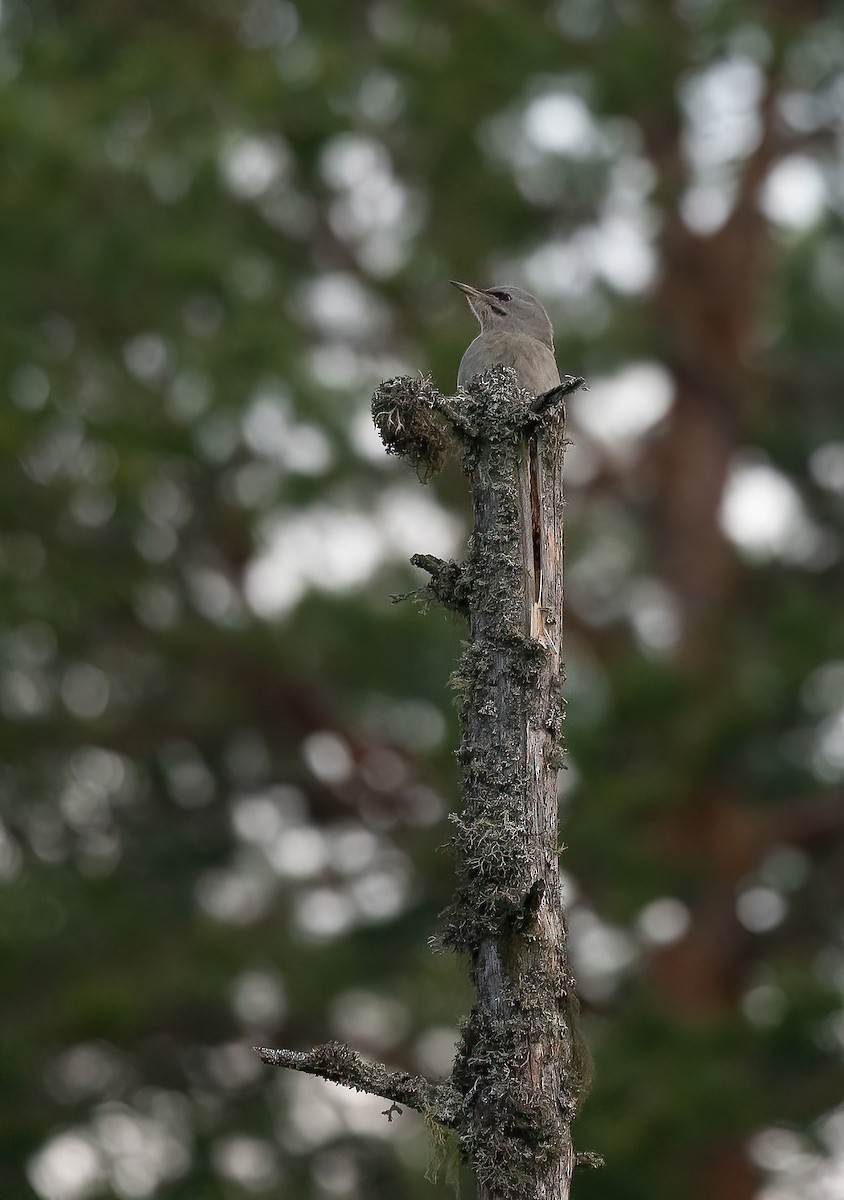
[(340, 1064)]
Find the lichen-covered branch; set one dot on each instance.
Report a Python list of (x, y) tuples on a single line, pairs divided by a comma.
[(340, 1064)]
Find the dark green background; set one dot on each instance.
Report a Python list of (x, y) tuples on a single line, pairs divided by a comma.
[(221, 225)]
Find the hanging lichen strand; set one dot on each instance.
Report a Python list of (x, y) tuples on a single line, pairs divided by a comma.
[(520, 1069)]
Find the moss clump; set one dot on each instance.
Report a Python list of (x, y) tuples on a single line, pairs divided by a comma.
[(495, 862), (510, 1132), (555, 726), (410, 421)]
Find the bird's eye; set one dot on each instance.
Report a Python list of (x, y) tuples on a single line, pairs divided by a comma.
[(505, 297)]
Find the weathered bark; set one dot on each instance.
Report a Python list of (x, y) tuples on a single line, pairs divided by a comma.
[(520, 1068)]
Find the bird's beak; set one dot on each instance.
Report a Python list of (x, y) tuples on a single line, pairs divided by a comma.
[(476, 297)]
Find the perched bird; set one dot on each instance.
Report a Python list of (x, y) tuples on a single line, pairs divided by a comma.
[(515, 332)]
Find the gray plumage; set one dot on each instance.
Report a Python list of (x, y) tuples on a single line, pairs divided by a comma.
[(515, 332)]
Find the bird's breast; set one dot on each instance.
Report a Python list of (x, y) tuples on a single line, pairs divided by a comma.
[(533, 361)]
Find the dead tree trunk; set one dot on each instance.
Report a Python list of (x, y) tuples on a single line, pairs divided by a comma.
[(520, 1067)]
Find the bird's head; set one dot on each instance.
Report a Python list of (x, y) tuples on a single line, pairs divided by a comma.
[(507, 307)]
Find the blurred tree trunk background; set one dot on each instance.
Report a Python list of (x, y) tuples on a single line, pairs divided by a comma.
[(226, 759)]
